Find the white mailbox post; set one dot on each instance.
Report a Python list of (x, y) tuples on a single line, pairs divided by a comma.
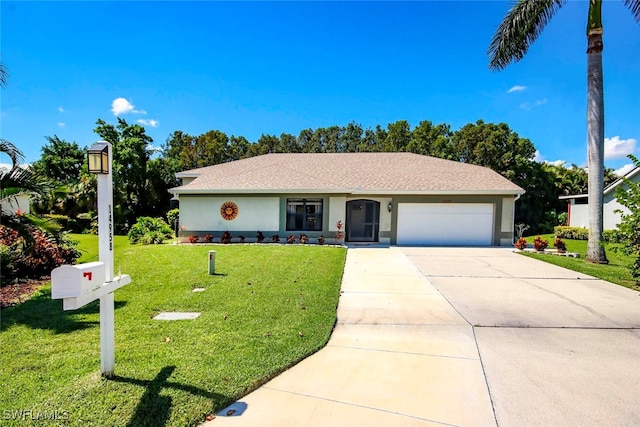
[(78, 285)]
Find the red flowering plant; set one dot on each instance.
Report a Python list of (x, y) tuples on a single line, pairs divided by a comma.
[(560, 245), (339, 234), (521, 243), (540, 244)]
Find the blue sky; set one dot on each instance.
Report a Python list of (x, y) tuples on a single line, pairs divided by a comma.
[(252, 68)]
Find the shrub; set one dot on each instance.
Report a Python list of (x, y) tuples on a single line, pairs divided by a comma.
[(226, 237), (193, 239), (560, 245), (260, 237), (540, 244), (275, 238), (148, 230), (321, 240), (208, 238), (45, 253), (563, 218), (173, 216), (241, 237), (291, 238), (573, 233), (521, 243), (613, 236), (303, 238)]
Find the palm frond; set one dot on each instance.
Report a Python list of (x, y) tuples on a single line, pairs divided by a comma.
[(4, 75), (519, 29), (23, 180), (12, 151), (634, 7)]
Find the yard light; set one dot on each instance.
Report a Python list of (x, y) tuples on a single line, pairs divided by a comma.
[(98, 155), (390, 206)]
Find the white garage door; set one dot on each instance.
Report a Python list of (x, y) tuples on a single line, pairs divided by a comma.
[(445, 224)]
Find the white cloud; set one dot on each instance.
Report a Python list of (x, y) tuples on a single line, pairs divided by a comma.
[(538, 157), (540, 102), (525, 106), (616, 148), (556, 162), (60, 109), (60, 124), (625, 169), (516, 88), (150, 122), (123, 106)]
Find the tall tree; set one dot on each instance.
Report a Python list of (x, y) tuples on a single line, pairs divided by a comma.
[(131, 153), (519, 29), (398, 136), (431, 140), (60, 161), (495, 146)]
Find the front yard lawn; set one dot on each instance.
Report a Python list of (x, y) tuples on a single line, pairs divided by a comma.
[(617, 271), (268, 307)]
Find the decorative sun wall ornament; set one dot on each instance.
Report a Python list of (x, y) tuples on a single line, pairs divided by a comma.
[(229, 210)]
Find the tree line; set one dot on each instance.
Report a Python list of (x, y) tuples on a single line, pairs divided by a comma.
[(143, 176)]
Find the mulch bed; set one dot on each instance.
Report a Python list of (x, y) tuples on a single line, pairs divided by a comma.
[(12, 295)]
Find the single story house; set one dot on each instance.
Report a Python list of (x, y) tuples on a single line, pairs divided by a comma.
[(578, 209), (388, 198)]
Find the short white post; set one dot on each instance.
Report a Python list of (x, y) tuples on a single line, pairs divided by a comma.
[(105, 248)]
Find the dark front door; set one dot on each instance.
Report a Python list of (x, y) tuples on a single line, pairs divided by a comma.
[(363, 220)]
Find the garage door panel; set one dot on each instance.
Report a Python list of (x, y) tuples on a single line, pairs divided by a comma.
[(456, 224)]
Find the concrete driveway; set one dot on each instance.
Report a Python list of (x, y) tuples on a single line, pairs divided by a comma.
[(463, 337)]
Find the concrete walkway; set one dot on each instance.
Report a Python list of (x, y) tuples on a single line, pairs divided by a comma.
[(462, 337)]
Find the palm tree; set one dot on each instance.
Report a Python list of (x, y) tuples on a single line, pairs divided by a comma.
[(519, 29), (4, 75), (19, 180)]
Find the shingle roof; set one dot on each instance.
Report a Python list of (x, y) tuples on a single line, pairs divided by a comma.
[(346, 173)]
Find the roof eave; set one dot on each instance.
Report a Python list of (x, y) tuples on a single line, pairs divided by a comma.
[(511, 192)]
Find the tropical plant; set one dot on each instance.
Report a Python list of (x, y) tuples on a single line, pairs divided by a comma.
[(4, 75), (628, 196), (540, 244), (21, 180), (148, 230), (518, 30), (339, 233), (521, 243), (560, 245), (226, 237)]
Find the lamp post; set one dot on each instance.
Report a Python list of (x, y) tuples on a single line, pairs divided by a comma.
[(100, 163)]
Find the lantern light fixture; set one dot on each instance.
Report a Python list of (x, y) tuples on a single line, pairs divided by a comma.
[(98, 156)]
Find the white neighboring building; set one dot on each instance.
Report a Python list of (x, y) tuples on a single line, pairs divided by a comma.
[(18, 203), (579, 204)]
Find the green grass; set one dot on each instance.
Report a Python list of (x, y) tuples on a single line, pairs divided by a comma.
[(268, 307), (617, 271)]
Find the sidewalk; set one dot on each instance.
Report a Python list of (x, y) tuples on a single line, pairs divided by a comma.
[(400, 355)]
